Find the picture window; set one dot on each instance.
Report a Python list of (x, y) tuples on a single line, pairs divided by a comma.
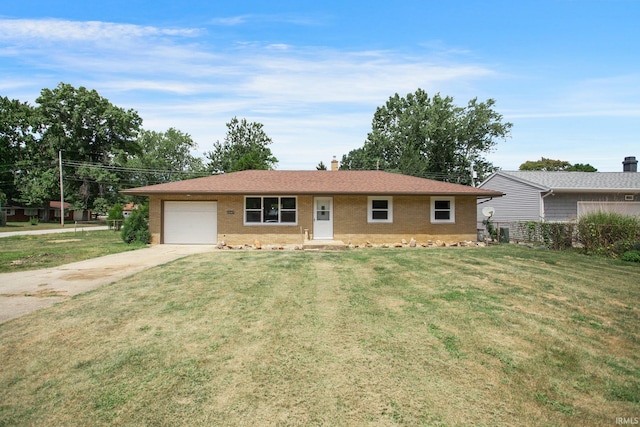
[(270, 210)]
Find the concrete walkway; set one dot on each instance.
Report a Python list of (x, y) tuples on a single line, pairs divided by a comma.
[(68, 229), (26, 291)]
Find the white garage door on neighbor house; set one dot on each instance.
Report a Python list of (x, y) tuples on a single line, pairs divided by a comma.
[(190, 223)]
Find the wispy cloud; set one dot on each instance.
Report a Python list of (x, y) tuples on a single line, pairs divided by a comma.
[(316, 101), (64, 30), (237, 20), (268, 74)]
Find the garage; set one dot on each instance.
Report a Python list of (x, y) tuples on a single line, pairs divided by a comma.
[(622, 208), (190, 223)]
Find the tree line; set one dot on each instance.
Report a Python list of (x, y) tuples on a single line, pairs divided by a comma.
[(105, 148)]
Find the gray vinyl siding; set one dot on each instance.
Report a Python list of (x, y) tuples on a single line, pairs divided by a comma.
[(521, 201), (564, 206), (561, 207)]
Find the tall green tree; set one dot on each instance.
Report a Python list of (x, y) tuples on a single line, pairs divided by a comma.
[(16, 131), (431, 137), (245, 146), (550, 165), (582, 167), (163, 157), (90, 131)]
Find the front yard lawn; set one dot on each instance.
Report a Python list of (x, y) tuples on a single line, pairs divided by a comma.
[(19, 253), (485, 336)]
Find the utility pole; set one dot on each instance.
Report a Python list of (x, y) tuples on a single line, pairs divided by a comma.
[(61, 189), (474, 176)]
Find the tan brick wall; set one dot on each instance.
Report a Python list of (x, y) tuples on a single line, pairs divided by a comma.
[(411, 219), (155, 219), (231, 228)]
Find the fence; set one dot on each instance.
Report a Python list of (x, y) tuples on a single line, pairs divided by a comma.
[(556, 235), (115, 224), (562, 235)]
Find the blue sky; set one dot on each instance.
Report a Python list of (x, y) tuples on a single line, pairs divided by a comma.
[(566, 73)]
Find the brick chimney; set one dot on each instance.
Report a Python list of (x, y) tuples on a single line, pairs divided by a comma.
[(335, 164), (630, 164)]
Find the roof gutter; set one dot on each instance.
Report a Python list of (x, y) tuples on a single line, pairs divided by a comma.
[(594, 190)]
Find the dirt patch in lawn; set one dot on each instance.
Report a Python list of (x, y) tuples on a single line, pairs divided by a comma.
[(43, 293)]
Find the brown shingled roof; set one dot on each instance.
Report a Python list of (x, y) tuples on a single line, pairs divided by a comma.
[(312, 182)]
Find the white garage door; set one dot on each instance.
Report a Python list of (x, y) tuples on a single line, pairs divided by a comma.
[(190, 223)]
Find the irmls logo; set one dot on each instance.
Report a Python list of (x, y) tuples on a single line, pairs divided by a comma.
[(627, 421)]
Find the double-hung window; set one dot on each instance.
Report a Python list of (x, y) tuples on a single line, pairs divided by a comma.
[(380, 209), (270, 210), (443, 210)]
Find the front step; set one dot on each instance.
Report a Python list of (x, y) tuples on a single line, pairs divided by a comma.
[(324, 245)]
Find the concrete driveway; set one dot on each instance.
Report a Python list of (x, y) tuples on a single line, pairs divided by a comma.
[(68, 229), (24, 292)]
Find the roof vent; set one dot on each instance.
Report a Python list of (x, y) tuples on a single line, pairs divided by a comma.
[(630, 164)]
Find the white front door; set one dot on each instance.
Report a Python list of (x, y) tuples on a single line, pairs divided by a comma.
[(323, 218)]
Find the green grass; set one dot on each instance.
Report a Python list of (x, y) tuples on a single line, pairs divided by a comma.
[(486, 336), (26, 226), (20, 253)]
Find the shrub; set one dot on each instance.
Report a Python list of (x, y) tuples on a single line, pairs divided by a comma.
[(116, 212), (491, 229), (608, 233), (34, 220), (631, 256), (115, 217), (136, 227)]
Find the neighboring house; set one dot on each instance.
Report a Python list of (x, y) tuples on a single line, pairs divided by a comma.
[(20, 213), (560, 196), (128, 208), (289, 207)]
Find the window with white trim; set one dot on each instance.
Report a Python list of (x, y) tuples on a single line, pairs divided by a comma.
[(270, 210), (31, 212), (443, 210), (380, 209)]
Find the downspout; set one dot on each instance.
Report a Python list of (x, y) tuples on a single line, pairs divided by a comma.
[(549, 193)]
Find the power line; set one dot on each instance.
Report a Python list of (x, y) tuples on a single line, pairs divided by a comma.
[(117, 168)]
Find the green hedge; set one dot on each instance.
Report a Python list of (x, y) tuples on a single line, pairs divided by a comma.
[(553, 235), (609, 234)]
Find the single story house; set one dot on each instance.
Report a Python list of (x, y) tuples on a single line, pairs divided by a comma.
[(289, 207), (19, 213), (560, 196)]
